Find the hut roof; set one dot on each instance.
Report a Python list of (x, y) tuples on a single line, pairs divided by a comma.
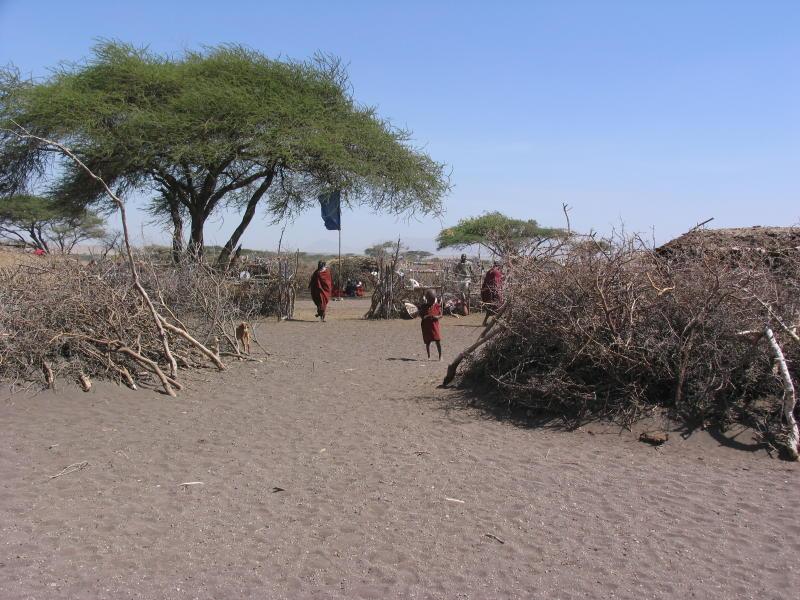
[(764, 240)]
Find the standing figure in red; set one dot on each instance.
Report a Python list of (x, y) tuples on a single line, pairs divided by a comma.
[(492, 291), (431, 311), (321, 286)]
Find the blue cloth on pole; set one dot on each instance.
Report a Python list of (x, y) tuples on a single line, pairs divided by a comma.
[(331, 205)]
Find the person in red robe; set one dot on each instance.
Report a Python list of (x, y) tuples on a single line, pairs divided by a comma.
[(492, 291), (321, 286), (431, 312)]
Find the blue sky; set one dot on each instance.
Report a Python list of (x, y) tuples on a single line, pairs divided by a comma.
[(655, 114)]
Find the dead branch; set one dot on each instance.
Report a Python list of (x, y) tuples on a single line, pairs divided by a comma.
[(185, 335), (453, 366), (126, 237), (789, 396), (78, 466)]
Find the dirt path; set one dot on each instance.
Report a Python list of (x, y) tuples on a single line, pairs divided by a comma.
[(336, 469)]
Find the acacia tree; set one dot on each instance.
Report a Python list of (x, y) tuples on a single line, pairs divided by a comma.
[(502, 235), (41, 223), (417, 255), (379, 250), (224, 127), (71, 230)]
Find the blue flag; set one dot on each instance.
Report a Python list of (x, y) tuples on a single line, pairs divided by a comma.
[(331, 206)]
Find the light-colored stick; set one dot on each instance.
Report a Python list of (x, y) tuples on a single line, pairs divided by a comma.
[(185, 486), (789, 330), (789, 395), (167, 382), (71, 469), (185, 335), (48, 376)]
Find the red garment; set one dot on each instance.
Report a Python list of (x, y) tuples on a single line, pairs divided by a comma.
[(431, 329), (321, 286), (492, 289)]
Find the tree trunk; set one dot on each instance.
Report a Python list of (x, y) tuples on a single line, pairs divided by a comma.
[(177, 228), (38, 239), (196, 240), (247, 217)]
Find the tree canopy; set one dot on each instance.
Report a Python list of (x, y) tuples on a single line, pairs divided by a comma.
[(497, 232), (381, 249), (47, 225), (417, 255), (221, 127)]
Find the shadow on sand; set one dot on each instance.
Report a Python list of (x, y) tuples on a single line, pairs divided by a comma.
[(463, 404)]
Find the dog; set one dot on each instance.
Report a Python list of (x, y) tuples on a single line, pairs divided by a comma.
[(243, 337)]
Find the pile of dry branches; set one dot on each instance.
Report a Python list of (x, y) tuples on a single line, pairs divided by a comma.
[(615, 328), (121, 318), (389, 293), (270, 288), (63, 319)]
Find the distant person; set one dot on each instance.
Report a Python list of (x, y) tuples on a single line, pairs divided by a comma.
[(359, 289), (463, 275), (430, 311), (350, 289), (492, 291), (321, 287)]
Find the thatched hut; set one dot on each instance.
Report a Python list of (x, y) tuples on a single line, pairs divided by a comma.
[(775, 246), (736, 240)]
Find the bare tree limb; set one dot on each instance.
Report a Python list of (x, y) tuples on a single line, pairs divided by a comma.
[(789, 395)]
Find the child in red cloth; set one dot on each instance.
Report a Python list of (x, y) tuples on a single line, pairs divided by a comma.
[(431, 311)]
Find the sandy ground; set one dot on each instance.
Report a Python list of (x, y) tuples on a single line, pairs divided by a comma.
[(336, 469)]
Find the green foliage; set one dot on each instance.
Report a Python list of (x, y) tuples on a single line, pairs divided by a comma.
[(382, 249), (223, 126), (45, 224), (417, 255), (497, 232), (67, 232), (23, 209)]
